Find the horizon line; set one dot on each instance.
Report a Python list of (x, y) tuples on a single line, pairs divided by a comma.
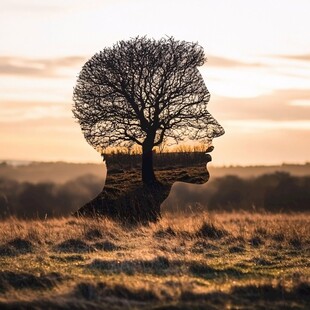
[(20, 162)]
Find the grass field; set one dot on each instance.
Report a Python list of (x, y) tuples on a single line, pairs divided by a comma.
[(202, 261)]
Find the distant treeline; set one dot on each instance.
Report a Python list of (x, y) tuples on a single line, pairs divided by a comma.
[(46, 199), (61, 172), (277, 192)]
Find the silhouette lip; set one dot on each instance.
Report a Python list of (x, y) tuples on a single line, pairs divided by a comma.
[(210, 149)]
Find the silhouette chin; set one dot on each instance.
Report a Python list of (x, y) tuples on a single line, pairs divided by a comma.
[(208, 158)]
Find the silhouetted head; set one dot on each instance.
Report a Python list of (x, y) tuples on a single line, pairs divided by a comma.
[(145, 92)]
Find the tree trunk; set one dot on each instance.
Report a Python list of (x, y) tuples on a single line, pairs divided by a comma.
[(148, 175)]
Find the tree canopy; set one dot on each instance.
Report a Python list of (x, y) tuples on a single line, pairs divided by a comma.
[(143, 91)]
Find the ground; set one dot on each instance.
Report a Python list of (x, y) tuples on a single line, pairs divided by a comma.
[(197, 261)]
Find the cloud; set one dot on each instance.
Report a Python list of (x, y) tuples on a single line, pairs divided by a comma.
[(36, 112), (303, 57), (217, 61), (254, 125), (20, 113), (39, 126), (50, 67), (276, 106), (29, 104), (38, 67)]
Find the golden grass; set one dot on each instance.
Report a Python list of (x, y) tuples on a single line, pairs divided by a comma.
[(218, 260)]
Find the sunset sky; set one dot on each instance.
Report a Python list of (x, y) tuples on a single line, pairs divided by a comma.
[(258, 71)]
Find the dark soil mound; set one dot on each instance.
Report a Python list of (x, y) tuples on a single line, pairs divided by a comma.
[(9, 279), (74, 246), (15, 247), (107, 246), (6, 250)]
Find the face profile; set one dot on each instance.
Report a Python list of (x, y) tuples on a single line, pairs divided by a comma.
[(181, 163), (145, 92)]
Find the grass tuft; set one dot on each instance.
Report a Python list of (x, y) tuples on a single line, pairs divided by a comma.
[(210, 230), (237, 249), (101, 290), (165, 233), (16, 247), (23, 280), (107, 246), (93, 234), (74, 246), (256, 241)]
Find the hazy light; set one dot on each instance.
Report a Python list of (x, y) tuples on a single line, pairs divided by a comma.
[(301, 103), (259, 125), (33, 113), (251, 48)]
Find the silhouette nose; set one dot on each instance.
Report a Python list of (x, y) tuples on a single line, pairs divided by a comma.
[(214, 128), (219, 131)]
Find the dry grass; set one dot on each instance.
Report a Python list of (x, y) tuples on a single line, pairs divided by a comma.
[(216, 261)]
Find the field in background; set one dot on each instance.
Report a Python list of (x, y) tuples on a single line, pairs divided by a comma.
[(22, 195), (61, 172), (214, 261)]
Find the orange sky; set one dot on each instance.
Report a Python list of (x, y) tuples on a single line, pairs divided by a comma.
[(258, 71)]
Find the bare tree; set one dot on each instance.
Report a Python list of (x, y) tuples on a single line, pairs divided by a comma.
[(143, 91)]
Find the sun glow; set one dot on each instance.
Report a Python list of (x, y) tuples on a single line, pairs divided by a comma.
[(258, 69)]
